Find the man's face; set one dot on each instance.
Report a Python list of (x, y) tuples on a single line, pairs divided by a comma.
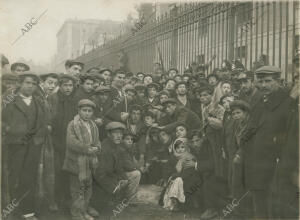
[(119, 80), (49, 85), (86, 112), (135, 116), (19, 69), (196, 141), (9, 84), (67, 87), (205, 98), (28, 86), (212, 81), (181, 89), (103, 96), (128, 80), (128, 141), (246, 85), (74, 70), (170, 85), (238, 114), (152, 92), (116, 136), (172, 73), (227, 101), (130, 95), (226, 88), (170, 108), (268, 84), (106, 76), (147, 80), (178, 79), (88, 86), (163, 98), (141, 77), (164, 137)]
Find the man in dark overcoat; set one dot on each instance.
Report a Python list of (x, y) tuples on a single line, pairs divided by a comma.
[(264, 138)]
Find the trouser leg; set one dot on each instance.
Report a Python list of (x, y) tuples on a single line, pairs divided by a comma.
[(133, 183)]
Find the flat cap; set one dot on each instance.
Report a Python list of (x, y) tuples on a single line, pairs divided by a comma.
[(29, 74), (245, 75), (67, 76), (114, 125), (93, 70), (204, 88), (181, 83), (70, 63), (14, 66), (44, 76), (135, 107), (153, 85), (268, 70), (86, 102), (169, 100), (239, 104), (105, 69), (9, 77), (102, 89), (163, 92)]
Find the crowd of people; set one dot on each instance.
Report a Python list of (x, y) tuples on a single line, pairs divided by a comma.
[(84, 140)]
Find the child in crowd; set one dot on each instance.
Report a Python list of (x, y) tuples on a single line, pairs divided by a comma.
[(181, 130), (175, 191), (81, 159)]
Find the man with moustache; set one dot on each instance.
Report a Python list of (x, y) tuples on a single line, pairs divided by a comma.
[(265, 138)]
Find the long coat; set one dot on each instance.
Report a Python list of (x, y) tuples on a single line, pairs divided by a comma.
[(264, 139)]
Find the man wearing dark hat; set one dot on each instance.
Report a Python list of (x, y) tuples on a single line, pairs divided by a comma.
[(18, 68), (141, 93), (264, 138), (93, 70), (110, 176), (248, 91), (182, 98), (73, 67), (106, 75), (175, 114), (9, 82), (151, 92), (24, 130), (63, 109)]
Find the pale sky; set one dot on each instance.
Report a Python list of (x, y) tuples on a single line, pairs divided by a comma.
[(39, 43)]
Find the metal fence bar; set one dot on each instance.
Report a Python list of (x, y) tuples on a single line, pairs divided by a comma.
[(286, 40), (293, 37), (256, 30), (262, 29), (251, 36), (268, 27), (274, 29), (280, 32)]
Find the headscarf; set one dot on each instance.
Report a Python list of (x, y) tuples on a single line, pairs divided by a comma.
[(183, 156)]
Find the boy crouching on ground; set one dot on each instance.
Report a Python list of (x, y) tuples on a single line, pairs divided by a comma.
[(81, 160)]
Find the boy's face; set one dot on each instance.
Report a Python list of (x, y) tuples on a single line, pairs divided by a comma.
[(135, 116), (212, 81), (180, 148), (148, 120), (49, 85), (196, 141), (88, 85), (238, 114), (86, 112), (67, 87), (116, 136), (226, 88), (103, 97), (128, 141), (163, 98), (181, 132), (164, 137), (147, 80)]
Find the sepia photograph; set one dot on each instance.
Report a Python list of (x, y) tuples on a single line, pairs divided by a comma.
[(149, 109)]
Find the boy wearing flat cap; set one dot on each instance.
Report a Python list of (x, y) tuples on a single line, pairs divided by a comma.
[(73, 67), (81, 159), (18, 68)]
